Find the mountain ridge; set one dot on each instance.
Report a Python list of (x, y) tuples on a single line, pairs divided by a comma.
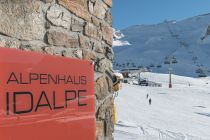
[(150, 45), (201, 15)]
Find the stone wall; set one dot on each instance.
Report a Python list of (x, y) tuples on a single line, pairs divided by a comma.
[(71, 28)]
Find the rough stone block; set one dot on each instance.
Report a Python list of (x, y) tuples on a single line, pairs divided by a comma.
[(97, 46), (78, 54), (107, 33), (100, 128), (91, 6), (85, 42), (109, 52), (96, 21), (99, 9), (59, 16), (101, 88), (93, 31), (78, 7), (108, 2), (48, 50), (68, 52), (103, 65), (36, 46), (108, 18), (8, 42), (89, 55), (77, 24), (59, 38), (47, 1), (22, 19)]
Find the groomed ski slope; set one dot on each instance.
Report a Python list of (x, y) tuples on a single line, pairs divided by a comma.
[(180, 113)]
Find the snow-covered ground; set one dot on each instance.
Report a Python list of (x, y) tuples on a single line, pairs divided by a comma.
[(180, 113)]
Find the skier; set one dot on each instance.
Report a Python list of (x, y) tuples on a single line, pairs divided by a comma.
[(147, 96), (150, 101)]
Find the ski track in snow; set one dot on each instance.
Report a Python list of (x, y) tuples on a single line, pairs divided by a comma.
[(125, 132), (180, 113)]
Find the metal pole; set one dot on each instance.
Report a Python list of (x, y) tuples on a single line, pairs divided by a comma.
[(170, 83), (139, 74), (170, 71)]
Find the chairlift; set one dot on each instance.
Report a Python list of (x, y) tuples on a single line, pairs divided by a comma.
[(159, 66), (175, 36), (199, 70), (166, 62), (170, 60), (151, 65), (202, 75), (174, 61)]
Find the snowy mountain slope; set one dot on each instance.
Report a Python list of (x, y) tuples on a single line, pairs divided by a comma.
[(180, 113), (116, 39), (151, 44)]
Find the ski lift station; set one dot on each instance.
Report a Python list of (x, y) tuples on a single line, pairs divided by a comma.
[(126, 72)]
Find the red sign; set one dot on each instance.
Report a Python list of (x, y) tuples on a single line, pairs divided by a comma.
[(45, 97)]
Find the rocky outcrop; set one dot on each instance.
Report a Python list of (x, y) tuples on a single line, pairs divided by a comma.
[(208, 30), (71, 28)]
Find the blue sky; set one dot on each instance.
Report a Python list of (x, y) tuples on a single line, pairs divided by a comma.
[(135, 12)]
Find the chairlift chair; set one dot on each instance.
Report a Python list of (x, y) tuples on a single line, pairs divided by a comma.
[(202, 75)]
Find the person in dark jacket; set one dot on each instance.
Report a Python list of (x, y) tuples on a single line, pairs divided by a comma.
[(150, 101)]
